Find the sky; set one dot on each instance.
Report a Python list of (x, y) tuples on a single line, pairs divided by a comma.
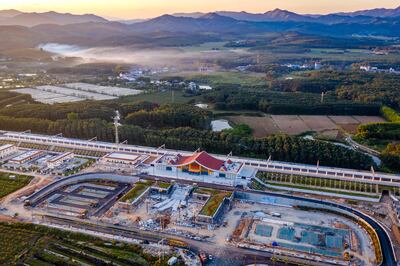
[(130, 9)]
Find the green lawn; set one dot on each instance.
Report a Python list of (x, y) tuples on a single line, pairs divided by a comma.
[(136, 191), (162, 185), (325, 190), (320, 184), (216, 198), (10, 183)]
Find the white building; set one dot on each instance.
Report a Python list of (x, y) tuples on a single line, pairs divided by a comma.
[(205, 87), (7, 150), (198, 164), (122, 158), (26, 156), (59, 159)]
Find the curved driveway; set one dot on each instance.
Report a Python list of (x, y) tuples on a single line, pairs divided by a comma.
[(389, 258), (75, 179)]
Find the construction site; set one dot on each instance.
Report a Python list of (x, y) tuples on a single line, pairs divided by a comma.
[(284, 229), (173, 208)]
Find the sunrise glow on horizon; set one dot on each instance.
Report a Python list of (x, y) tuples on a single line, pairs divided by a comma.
[(130, 9)]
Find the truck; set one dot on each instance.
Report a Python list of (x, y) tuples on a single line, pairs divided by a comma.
[(276, 214)]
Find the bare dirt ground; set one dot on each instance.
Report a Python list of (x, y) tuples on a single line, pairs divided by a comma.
[(318, 122), (369, 119), (350, 128), (262, 126), (342, 119), (290, 124), (328, 126), (8, 219)]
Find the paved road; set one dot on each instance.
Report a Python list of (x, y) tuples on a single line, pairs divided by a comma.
[(361, 147)]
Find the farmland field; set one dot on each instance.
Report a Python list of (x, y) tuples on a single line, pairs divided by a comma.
[(328, 126), (369, 119), (10, 183), (344, 120), (318, 123), (290, 124), (262, 126), (27, 244)]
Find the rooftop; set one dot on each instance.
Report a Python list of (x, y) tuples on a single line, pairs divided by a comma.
[(204, 159), (5, 147), (26, 155), (60, 156), (122, 156)]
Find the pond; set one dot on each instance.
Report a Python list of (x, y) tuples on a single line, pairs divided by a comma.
[(219, 125)]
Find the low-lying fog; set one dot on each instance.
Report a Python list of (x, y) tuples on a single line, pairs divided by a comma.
[(129, 55)]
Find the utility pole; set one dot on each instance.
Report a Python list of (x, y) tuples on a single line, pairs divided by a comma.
[(117, 118)]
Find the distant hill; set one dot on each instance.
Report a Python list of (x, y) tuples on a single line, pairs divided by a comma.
[(9, 13), (284, 15), (279, 15), (274, 15), (211, 22), (338, 19), (189, 15), (130, 21), (15, 37), (14, 17), (378, 12), (180, 30), (216, 23)]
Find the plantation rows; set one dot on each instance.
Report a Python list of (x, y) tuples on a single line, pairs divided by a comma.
[(312, 182), (26, 244), (13, 243)]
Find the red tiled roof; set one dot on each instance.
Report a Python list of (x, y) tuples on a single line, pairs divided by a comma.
[(202, 158)]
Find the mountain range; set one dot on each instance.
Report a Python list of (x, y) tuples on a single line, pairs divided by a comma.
[(27, 30), (220, 24), (15, 17), (30, 19), (279, 15), (377, 12)]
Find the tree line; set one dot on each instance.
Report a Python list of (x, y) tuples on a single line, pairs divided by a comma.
[(276, 102), (382, 131), (170, 116), (391, 156)]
